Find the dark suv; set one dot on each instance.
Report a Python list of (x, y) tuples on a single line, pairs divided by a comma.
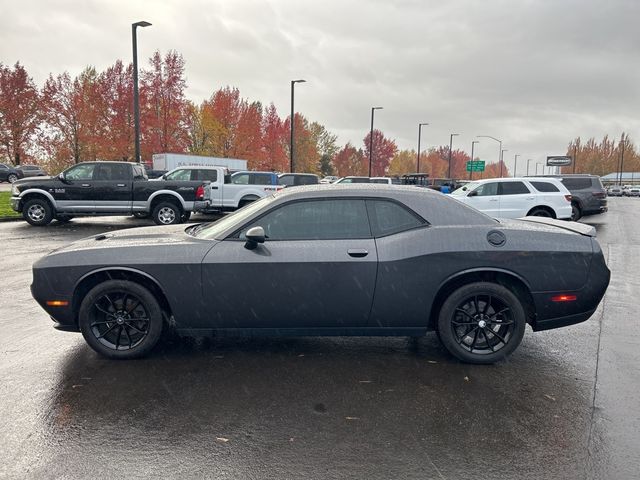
[(588, 196)]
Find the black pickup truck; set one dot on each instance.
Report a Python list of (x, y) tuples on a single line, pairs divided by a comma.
[(106, 188)]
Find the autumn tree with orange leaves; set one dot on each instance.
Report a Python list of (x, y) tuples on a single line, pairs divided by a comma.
[(19, 112)]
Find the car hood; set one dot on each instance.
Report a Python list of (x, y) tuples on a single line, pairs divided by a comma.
[(134, 237)]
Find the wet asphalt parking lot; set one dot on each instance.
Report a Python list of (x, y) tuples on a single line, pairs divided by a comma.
[(565, 405)]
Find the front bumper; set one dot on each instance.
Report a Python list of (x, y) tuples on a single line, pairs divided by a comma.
[(16, 204)]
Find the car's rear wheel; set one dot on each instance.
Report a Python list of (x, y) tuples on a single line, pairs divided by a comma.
[(37, 212), (540, 212), (576, 212), (166, 213), (12, 178), (481, 323), (120, 319)]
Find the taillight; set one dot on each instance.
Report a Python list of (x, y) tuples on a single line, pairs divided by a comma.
[(600, 194), (200, 193), (568, 198)]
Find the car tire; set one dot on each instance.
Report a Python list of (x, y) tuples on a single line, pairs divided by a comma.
[(37, 212), (12, 178), (64, 218), (576, 212), (120, 319), (141, 214), (540, 212), (481, 323), (166, 213)]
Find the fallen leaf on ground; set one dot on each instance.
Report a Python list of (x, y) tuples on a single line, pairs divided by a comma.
[(222, 439), (352, 418), (466, 379), (550, 397)]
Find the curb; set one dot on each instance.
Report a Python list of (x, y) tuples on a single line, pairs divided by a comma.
[(10, 219)]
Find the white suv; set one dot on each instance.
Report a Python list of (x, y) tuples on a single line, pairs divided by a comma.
[(517, 197)]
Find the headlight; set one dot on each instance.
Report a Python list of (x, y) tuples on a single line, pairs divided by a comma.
[(14, 190)]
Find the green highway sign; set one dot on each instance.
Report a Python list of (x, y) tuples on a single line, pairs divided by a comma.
[(475, 166)]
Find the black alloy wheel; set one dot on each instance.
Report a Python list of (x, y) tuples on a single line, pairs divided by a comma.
[(120, 319), (576, 213), (481, 323), (540, 212)]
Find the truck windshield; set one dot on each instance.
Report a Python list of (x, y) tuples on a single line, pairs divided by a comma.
[(214, 229)]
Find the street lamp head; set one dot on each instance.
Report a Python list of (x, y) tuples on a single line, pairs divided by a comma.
[(298, 81), (421, 124), (142, 23), (376, 108), (475, 141)]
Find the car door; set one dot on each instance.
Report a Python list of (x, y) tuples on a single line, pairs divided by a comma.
[(485, 198), (316, 269), (112, 187), (74, 193), (515, 199)]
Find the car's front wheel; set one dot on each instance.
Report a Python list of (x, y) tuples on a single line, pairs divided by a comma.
[(37, 212), (481, 322), (120, 319), (12, 178)]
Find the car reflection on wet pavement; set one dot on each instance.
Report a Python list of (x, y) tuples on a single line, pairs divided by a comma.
[(562, 406)]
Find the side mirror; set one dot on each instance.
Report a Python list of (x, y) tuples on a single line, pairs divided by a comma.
[(473, 193), (254, 236)]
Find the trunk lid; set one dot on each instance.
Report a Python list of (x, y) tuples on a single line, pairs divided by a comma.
[(580, 228)]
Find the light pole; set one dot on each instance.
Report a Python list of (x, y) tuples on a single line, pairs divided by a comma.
[(515, 163), (473, 144), (502, 160), (528, 160), (293, 82), (136, 101), (621, 157), (450, 146), (538, 163), (499, 151), (575, 157), (419, 132), (373, 109)]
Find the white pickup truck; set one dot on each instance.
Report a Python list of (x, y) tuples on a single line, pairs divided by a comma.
[(225, 193)]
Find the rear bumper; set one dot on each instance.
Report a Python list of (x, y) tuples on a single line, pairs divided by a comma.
[(200, 206)]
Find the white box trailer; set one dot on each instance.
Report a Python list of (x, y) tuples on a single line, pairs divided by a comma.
[(169, 161)]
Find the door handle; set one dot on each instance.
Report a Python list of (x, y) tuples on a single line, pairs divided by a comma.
[(530, 198), (493, 199), (86, 185), (121, 185), (357, 252)]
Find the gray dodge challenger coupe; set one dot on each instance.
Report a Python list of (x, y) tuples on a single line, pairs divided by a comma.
[(329, 260)]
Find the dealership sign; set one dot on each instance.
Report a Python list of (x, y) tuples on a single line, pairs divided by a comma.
[(559, 161)]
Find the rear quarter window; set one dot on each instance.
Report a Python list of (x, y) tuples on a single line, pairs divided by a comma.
[(580, 183), (389, 217), (545, 187)]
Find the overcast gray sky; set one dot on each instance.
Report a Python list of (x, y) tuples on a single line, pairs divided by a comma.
[(532, 73)]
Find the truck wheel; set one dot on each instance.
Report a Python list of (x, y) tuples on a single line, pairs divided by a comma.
[(166, 213), (37, 212)]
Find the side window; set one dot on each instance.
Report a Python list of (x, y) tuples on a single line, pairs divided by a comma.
[(388, 218), (112, 172), (513, 188), (260, 179), (241, 178), (80, 172), (545, 187), (316, 220), (139, 172), (306, 180), (3, 167), (487, 189), (180, 175), (287, 180), (207, 175)]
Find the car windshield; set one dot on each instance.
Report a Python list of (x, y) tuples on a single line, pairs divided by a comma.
[(462, 191), (212, 230)]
